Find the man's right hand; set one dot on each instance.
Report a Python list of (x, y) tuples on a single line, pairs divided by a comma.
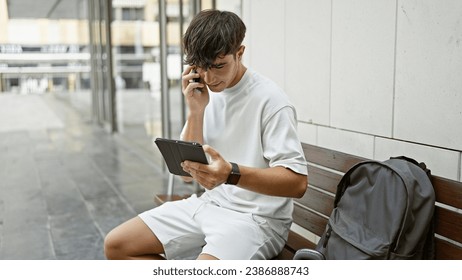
[(196, 93)]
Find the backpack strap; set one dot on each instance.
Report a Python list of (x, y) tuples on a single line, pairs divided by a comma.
[(345, 181), (429, 247)]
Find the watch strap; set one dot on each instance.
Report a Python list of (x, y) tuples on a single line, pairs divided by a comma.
[(234, 176)]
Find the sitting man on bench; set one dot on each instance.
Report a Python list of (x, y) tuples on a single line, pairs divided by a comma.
[(257, 165)]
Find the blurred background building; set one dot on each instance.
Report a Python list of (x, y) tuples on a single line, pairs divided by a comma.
[(106, 58)]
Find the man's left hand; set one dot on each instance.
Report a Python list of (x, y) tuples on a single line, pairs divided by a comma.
[(209, 175)]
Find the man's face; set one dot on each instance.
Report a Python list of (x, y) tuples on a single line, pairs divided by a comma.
[(223, 73)]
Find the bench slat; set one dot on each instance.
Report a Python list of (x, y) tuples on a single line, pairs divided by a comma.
[(285, 254), (448, 224), (323, 179), (447, 191), (296, 242), (329, 158), (309, 220), (318, 201), (447, 251)]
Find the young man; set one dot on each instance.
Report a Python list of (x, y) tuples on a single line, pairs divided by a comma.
[(248, 128)]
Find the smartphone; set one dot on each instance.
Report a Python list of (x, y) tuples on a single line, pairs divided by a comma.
[(196, 80)]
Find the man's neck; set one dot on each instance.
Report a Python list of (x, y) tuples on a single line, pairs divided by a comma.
[(240, 73)]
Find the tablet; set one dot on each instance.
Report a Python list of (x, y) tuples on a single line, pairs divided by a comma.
[(175, 152)]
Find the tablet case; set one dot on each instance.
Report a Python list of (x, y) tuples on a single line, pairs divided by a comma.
[(176, 151)]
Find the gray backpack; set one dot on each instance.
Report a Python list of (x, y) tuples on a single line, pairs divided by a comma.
[(382, 210)]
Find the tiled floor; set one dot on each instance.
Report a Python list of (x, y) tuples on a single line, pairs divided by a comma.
[(64, 187)]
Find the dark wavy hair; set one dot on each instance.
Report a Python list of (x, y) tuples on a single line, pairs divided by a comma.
[(212, 33)]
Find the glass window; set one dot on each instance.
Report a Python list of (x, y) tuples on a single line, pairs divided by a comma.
[(132, 13)]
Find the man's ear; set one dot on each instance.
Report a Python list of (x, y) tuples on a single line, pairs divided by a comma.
[(240, 51)]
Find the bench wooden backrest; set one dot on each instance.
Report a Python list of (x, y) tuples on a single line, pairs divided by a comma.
[(326, 168)]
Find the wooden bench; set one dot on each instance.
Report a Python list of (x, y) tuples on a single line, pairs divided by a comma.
[(325, 170)]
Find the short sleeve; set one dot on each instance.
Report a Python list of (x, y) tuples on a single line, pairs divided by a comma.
[(281, 145)]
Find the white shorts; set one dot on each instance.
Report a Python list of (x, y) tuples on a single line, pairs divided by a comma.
[(192, 226)]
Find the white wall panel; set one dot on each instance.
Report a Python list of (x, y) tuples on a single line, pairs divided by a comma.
[(307, 133), (265, 38), (372, 78), (346, 141), (307, 52), (441, 162), (428, 105), (363, 65)]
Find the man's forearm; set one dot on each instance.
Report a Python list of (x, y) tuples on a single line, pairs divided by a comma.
[(193, 129), (276, 181)]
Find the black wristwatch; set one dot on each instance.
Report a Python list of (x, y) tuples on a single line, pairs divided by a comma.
[(234, 176)]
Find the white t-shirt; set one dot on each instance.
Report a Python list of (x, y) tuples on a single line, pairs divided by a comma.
[(253, 124)]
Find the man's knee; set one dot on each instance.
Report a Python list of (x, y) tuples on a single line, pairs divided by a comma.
[(132, 240), (113, 246)]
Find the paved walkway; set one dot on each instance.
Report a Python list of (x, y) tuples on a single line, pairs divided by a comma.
[(64, 182)]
